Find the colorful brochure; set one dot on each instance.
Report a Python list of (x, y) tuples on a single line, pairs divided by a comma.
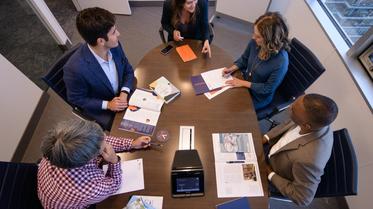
[(164, 89), (142, 113)]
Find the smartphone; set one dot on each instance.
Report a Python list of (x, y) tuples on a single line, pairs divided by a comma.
[(166, 50)]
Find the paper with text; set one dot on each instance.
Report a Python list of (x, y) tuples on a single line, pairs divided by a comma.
[(236, 166)]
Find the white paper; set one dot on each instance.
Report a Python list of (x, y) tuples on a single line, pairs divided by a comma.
[(132, 176), (236, 176), (186, 138), (214, 78), (165, 89), (146, 100), (214, 93), (142, 116)]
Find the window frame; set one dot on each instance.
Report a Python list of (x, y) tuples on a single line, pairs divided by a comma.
[(348, 54)]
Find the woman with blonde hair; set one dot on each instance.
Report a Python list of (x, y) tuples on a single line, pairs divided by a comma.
[(265, 61)]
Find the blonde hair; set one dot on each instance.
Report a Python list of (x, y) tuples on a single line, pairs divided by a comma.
[(274, 31)]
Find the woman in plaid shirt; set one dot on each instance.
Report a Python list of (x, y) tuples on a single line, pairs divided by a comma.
[(69, 174)]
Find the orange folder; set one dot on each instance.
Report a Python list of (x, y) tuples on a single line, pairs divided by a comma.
[(186, 53)]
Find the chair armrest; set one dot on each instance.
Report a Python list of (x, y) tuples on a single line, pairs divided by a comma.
[(161, 34), (79, 113)]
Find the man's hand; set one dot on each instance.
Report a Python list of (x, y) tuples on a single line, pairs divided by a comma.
[(177, 36), (141, 142), (109, 154), (206, 48), (235, 82), (268, 169), (117, 104), (264, 140)]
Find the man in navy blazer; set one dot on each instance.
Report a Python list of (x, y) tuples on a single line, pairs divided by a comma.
[(98, 76)]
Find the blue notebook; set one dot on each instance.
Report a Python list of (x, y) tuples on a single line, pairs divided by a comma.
[(241, 203)]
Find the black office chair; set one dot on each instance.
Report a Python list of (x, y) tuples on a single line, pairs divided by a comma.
[(162, 36), (340, 173), (18, 183), (304, 69), (54, 79)]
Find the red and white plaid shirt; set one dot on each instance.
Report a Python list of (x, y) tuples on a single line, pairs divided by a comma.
[(83, 186)]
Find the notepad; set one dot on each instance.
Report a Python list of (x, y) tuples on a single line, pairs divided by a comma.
[(186, 53)]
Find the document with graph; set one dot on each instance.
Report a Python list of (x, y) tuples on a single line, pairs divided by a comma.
[(236, 165)]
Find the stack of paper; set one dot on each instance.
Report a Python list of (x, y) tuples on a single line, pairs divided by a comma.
[(210, 83), (164, 89)]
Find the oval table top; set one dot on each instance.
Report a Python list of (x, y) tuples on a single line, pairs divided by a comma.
[(229, 112)]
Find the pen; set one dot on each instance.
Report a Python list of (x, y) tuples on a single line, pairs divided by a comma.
[(153, 144), (226, 75), (190, 138), (236, 161)]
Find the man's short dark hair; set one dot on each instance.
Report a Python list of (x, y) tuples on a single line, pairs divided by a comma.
[(73, 143), (94, 23), (321, 110)]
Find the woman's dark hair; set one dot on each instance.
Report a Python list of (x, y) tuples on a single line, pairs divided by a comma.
[(94, 23), (177, 7), (274, 31), (73, 143)]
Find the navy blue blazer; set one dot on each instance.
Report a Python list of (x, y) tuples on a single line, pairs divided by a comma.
[(202, 25), (87, 84), (267, 75)]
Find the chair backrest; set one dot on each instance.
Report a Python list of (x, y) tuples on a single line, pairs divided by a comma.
[(304, 69), (18, 186), (211, 31), (340, 173), (54, 77)]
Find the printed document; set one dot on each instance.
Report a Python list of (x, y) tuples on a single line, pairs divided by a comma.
[(236, 166), (142, 113)]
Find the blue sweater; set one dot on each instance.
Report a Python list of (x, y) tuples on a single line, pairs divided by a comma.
[(200, 28), (267, 75)]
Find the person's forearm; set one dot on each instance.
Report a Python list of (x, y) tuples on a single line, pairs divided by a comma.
[(233, 68), (119, 144)]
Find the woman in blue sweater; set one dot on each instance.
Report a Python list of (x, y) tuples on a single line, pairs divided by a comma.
[(265, 61), (187, 19)]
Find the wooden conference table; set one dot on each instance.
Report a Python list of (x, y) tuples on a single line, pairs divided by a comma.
[(229, 112)]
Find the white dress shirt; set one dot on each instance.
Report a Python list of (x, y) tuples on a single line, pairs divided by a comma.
[(287, 138), (111, 73)]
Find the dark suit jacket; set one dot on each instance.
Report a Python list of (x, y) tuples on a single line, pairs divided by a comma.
[(87, 84), (300, 164), (202, 25)]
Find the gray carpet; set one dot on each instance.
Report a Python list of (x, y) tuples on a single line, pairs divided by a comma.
[(139, 34), (25, 41)]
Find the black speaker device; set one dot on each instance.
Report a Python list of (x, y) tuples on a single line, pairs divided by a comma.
[(187, 178)]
